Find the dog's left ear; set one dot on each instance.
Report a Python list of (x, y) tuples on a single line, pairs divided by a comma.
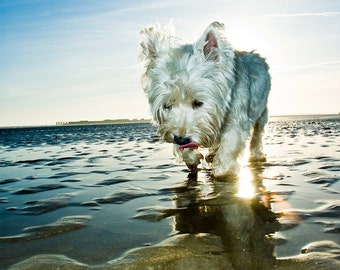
[(210, 41), (210, 48)]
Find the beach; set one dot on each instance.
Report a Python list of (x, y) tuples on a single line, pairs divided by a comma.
[(111, 197)]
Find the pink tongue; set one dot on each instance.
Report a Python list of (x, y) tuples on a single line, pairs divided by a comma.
[(188, 145)]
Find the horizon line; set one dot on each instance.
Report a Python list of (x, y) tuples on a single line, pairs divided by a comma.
[(140, 120)]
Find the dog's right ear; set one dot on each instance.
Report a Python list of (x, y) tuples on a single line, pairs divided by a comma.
[(148, 43), (154, 41)]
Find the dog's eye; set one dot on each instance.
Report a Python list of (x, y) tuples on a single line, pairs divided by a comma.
[(167, 107), (196, 104)]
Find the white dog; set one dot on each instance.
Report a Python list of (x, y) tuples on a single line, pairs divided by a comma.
[(207, 95)]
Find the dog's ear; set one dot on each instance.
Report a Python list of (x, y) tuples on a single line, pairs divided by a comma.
[(154, 41), (148, 43), (210, 48), (210, 41)]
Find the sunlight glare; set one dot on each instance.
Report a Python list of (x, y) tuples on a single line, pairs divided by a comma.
[(245, 184)]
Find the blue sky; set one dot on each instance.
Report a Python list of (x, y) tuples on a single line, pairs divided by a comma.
[(69, 60)]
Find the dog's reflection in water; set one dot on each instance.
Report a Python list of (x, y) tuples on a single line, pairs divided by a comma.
[(245, 224)]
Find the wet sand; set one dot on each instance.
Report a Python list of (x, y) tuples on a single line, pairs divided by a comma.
[(112, 198)]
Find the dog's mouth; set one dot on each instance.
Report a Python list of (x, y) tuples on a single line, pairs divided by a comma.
[(192, 145), (185, 142)]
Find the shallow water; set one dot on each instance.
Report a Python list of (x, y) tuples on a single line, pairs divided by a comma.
[(93, 192)]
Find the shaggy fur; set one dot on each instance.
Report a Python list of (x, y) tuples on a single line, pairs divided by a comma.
[(205, 94)]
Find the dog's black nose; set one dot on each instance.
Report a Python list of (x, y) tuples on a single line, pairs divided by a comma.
[(181, 140)]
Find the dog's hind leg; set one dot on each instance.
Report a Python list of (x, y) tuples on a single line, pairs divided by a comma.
[(256, 148)]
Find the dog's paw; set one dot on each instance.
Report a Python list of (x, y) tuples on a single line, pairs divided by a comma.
[(192, 158), (224, 167), (257, 157)]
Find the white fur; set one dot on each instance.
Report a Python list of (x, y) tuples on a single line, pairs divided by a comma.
[(208, 92)]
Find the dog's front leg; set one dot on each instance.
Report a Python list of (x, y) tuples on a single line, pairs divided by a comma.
[(232, 144)]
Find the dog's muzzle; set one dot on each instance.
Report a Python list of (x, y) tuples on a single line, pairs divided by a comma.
[(185, 142)]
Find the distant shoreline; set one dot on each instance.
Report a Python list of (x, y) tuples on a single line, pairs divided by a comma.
[(146, 121), (103, 122), (85, 123), (302, 117)]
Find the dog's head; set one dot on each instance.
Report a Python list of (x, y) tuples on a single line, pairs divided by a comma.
[(188, 86)]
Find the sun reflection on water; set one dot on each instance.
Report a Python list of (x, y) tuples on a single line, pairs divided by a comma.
[(245, 187)]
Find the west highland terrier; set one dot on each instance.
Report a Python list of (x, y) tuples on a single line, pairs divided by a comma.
[(205, 94)]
